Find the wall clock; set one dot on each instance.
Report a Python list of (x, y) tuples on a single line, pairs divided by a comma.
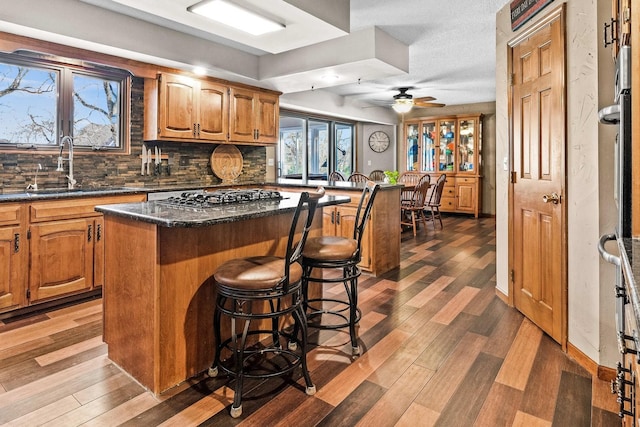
[(379, 141)]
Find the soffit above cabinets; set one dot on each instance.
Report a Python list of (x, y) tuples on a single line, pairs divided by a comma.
[(307, 21)]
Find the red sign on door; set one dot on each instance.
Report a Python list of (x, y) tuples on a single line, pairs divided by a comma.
[(523, 10)]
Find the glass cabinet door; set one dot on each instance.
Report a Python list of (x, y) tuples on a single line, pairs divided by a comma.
[(428, 146), (446, 144), (412, 132), (467, 131)]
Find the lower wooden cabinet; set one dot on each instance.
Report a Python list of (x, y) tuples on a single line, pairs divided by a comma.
[(61, 258), (340, 221), (52, 249), (461, 194), (14, 256)]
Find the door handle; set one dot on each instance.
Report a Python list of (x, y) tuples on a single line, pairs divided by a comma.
[(553, 198)]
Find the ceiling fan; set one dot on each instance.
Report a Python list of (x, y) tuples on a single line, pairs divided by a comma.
[(403, 101)]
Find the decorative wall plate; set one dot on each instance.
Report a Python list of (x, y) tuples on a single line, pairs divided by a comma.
[(226, 162)]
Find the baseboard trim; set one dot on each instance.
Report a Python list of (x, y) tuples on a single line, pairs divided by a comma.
[(503, 297), (603, 373)]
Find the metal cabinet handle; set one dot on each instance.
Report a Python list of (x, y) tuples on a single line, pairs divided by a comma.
[(89, 232), (98, 232), (333, 217), (16, 242), (553, 198)]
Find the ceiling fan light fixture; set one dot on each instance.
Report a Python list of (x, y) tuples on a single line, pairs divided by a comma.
[(236, 17), (402, 105)]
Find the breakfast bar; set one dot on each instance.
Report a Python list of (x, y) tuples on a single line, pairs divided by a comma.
[(159, 292)]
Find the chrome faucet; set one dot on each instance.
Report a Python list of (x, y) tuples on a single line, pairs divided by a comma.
[(68, 140)]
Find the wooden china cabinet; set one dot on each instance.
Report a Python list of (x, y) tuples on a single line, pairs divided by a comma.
[(450, 145)]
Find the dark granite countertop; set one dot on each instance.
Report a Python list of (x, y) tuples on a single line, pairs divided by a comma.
[(16, 195), (334, 185), (176, 216), (630, 259), (63, 193)]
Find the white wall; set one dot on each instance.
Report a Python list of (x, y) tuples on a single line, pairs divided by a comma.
[(590, 307), (369, 160)]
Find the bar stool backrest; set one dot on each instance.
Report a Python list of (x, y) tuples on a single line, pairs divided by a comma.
[(294, 249), (364, 211)]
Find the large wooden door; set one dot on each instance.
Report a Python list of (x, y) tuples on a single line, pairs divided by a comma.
[(538, 242)]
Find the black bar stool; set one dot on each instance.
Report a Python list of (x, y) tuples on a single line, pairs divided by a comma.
[(336, 252), (258, 288)]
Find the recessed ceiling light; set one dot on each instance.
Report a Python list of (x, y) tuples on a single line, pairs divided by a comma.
[(235, 16), (330, 77)]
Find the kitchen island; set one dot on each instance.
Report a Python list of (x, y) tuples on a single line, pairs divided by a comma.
[(159, 293), (381, 240)]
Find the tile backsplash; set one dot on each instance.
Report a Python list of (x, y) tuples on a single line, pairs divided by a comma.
[(189, 162)]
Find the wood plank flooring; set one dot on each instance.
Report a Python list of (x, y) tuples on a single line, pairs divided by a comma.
[(439, 349)]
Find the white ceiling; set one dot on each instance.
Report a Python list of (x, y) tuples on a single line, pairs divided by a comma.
[(444, 49)]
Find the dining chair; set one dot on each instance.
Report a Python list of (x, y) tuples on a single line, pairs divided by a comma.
[(377, 175), (409, 179), (336, 176), (358, 177), (433, 204), (413, 210)]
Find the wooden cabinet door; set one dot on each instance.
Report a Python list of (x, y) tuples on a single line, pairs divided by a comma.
[(13, 256), (61, 258), (329, 221), (176, 106), (465, 194), (213, 114), (345, 223), (242, 113), (98, 252), (268, 118)]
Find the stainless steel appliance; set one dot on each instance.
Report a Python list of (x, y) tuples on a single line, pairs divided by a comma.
[(200, 199), (619, 114)]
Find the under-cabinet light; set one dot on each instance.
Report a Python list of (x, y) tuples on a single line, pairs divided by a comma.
[(235, 16)]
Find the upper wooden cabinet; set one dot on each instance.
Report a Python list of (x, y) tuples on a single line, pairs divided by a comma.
[(181, 108), (254, 116)]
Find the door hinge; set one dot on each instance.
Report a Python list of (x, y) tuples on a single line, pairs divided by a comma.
[(512, 276), (513, 177), (28, 293), (512, 78), (29, 234)]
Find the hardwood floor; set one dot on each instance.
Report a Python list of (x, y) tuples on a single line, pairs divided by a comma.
[(439, 348)]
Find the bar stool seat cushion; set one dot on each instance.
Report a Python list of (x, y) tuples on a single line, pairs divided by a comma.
[(260, 272), (328, 248)]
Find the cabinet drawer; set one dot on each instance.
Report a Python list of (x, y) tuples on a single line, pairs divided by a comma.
[(448, 192), (447, 203), (10, 214), (75, 208), (465, 180)]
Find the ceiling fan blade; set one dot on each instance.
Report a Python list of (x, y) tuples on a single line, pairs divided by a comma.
[(428, 104), (424, 99)]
